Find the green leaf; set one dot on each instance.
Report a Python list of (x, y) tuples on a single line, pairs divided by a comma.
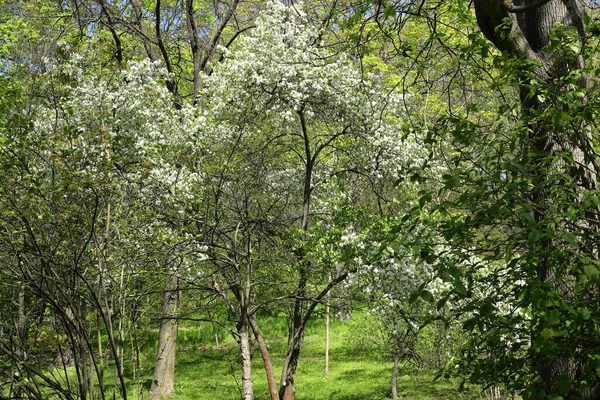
[(563, 385), (396, 246), (441, 303), (427, 296), (426, 198), (413, 297), (585, 313), (534, 236), (559, 118), (459, 287), (485, 50), (451, 181), (486, 309), (591, 271)]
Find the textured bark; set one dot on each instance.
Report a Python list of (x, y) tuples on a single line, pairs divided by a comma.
[(244, 343), (22, 325), (164, 369), (527, 37), (287, 391)]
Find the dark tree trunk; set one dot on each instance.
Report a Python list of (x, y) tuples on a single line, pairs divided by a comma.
[(528, 37), (296, 333)]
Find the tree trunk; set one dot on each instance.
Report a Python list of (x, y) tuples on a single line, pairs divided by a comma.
[(326, 369), (22, 325), (164, 368), (395, 377), (244, 343), (264, 351), (526, 37), (287, 390), (296, 336), (215, 331)]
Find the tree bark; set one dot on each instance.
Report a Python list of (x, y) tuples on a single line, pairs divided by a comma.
[(244, 343), (296, 337), (395, 377), (264, 351), (164, 368), (527, 36)]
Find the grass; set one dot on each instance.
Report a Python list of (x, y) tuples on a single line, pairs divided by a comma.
[(207, 371)]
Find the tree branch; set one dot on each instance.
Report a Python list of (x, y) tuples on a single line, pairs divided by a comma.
[(510, 7)]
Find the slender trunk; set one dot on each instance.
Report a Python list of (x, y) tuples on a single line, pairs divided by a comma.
[(170, 82), (18, 351), (83, 362), (121, 323), (192, 27), (106, 313), (164, 368), (326, 370), (495, 393), (244, 343), (110, 24), (22, 324), (139, 16), (287, 390), (395, 377), (264, 351), (138, 362), (243, 296), (100, 373), (297, 331), (215, 332)]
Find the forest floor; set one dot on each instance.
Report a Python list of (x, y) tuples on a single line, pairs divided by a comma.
[(206, 371)]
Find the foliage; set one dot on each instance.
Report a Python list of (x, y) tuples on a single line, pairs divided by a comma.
[(274, 156), (510, 206)]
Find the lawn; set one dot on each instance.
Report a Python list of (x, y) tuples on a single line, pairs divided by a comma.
[(207, 371)]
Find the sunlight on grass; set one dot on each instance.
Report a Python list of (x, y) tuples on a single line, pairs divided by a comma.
[(208, 372)]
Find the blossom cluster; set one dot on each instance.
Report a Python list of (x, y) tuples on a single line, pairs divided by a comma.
[(105, 125)]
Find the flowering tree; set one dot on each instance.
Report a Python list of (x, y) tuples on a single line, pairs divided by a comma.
[(285, 96), (520, 194), (82, 185)]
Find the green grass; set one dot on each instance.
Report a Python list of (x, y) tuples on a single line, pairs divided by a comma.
[(206, 371)]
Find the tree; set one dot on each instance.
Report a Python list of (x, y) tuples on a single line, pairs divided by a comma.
[(77, 178), (517, 201), (185, 36), (286, 99), (549, 38), (515, 206)]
